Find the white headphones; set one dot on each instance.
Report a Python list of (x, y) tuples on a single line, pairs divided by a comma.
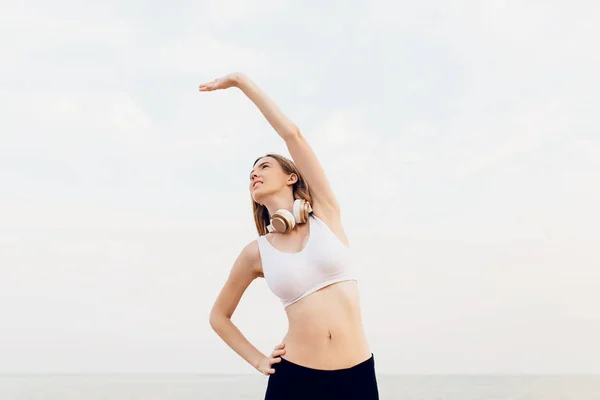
[(284, 221)]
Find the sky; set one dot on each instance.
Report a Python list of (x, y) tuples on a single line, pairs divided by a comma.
[(460, 137)]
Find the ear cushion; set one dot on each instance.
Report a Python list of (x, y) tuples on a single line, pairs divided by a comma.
[(307, 210), (283, 221)]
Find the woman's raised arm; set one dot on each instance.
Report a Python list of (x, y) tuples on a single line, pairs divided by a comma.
[(304, 157)]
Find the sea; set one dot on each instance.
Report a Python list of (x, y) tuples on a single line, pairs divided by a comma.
[(237, 387)]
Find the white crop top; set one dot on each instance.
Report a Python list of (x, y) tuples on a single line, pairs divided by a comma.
[(324, 260)]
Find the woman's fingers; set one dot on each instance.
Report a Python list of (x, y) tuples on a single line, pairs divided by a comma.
[(224, 82), (208, 85), (274, 359), (277, 353), (279, 350)]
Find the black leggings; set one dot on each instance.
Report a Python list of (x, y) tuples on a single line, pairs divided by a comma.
[(296, 382)]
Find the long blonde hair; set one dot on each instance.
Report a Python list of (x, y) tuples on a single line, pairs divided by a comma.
[(300, 190)]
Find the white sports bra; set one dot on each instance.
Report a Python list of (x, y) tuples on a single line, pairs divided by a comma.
[(324, 260)]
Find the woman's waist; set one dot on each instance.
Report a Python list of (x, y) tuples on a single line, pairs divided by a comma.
[(327, 344), (327, 350), (323, 327), (316, 333)]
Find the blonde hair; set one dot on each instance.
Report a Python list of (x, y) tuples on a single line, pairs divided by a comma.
[(300, 190)]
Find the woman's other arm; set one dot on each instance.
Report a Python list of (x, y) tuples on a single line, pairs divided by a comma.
[(244, 270)]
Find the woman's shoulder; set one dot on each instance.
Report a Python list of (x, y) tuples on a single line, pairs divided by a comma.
[(251, 255)]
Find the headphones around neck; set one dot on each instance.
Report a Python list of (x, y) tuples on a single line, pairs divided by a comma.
[(284, 221)]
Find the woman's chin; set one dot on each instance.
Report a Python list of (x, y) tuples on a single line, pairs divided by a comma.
[(257, 196)]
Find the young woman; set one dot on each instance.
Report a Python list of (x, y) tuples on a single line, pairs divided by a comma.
[(303, 254)]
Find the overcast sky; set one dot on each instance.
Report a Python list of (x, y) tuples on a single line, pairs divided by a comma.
[(461, 138)]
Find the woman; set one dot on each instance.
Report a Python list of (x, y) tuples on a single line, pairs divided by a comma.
[(306, 262)]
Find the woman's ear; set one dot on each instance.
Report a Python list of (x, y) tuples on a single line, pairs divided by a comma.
[(293, 178)]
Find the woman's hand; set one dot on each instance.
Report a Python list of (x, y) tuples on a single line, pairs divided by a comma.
[(224, 82), (264, 366)]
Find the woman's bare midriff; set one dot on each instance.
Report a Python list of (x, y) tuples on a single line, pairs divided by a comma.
[(325, 329)]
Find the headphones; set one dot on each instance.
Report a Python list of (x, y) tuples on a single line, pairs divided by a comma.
[(284, 221)]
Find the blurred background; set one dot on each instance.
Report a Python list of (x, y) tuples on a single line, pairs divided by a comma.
[(461, 138)]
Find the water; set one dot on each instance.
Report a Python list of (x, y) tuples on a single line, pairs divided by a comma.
[(237, 387)]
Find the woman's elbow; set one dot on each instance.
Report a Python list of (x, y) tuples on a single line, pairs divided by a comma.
[(216, 319)]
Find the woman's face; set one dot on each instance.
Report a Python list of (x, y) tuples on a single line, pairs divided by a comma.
[(266, 177)]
